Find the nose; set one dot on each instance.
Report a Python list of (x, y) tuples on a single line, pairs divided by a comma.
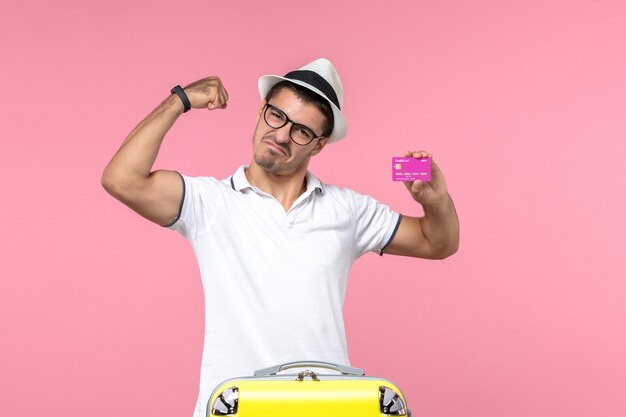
[(283, 133)]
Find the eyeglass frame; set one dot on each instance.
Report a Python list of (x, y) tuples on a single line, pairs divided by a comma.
[(288, 120)]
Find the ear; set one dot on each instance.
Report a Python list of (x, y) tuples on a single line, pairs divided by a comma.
[(259, 112), (319, 146)]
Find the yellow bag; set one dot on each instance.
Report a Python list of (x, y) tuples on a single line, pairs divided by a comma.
[(307, 393)]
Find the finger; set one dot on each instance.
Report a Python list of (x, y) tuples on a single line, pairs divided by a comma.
[(223, 98), (433, 165), (422, 154), (213, 98), (223, 93), (217, 102), (416, 186), (418, 154)]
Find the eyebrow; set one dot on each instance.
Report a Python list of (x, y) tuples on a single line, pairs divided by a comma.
[(293, 121)]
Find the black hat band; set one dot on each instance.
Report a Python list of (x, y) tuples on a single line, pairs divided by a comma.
[(315, 80)]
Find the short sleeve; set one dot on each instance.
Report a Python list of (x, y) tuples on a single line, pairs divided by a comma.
[(197, 207), (376, 224)]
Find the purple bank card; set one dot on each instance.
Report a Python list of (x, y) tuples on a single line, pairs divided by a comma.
[(404, 168)]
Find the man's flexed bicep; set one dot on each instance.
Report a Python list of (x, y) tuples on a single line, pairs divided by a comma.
[(129, 178), (158, 198)]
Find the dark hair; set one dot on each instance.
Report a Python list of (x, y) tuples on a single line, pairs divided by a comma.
[(310, 97)]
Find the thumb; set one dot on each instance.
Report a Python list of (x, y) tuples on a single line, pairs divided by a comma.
[(416, 186)]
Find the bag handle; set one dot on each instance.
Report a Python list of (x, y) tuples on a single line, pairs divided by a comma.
[(273, 370)]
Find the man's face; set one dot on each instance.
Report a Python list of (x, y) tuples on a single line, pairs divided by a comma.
[(273, 150)]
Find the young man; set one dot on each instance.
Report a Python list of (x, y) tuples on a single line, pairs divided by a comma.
[(274, 244)]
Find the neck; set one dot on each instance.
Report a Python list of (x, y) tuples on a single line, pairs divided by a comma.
[(286, 188)]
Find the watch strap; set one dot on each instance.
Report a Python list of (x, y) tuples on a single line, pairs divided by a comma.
[(183, 97)]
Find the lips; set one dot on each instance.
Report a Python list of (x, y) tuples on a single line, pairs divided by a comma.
[(272, 145)]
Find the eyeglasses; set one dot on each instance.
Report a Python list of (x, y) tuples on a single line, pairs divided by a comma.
[(299, 133)]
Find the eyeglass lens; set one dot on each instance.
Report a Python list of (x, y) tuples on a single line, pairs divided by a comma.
[(299, 133)]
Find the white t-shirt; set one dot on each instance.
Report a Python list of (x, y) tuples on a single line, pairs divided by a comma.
[(274, 281)]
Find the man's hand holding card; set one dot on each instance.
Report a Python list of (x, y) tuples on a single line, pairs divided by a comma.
[(422, 177)]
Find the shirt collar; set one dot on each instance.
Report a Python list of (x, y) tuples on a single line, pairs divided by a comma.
[(239, 181)]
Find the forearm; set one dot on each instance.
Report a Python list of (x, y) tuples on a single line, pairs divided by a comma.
[(440, 226), (133, 161)]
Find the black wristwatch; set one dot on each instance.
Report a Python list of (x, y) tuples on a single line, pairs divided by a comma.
[(183, 97)]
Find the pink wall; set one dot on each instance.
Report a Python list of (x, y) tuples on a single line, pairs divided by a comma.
[(523, 105)]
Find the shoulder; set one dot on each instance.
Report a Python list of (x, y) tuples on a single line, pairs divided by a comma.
[(344, 193), (347, 198), (336, 193), (204, 182)]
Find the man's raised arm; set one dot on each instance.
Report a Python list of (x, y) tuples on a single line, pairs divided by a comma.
[(128, 177), (436, 234)]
